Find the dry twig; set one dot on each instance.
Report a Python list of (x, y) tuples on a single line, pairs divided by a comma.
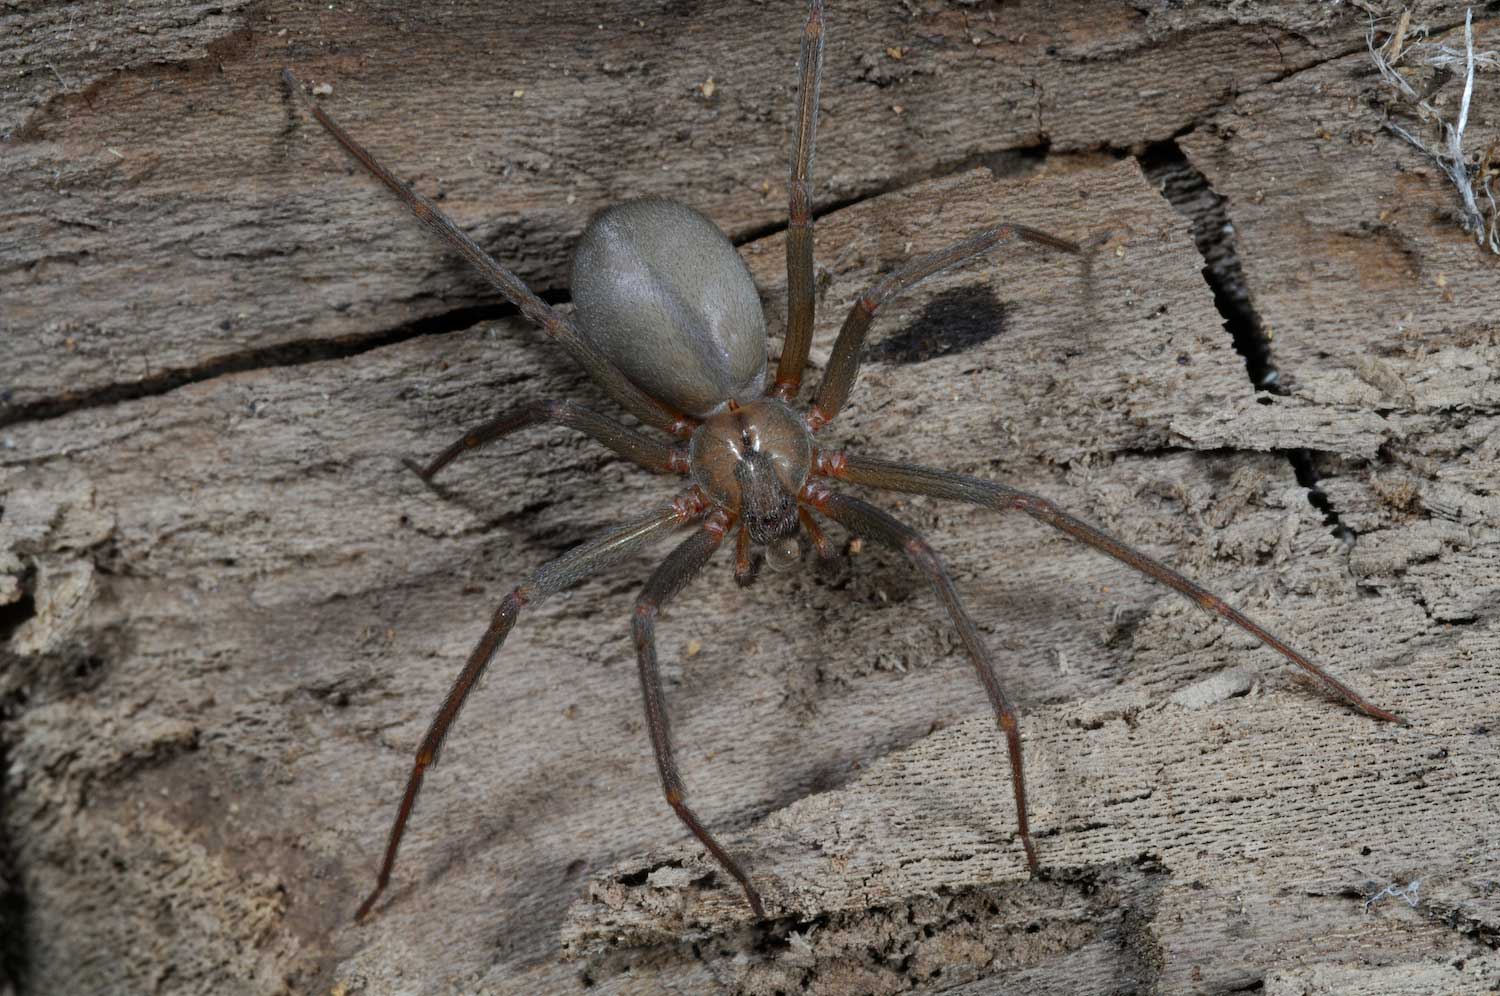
[(1483, 220)]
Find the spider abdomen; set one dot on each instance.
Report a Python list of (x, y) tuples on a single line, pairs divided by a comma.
[(662, 293)]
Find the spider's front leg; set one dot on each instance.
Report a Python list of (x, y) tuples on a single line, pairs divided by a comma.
[(864, 519), (675, 572), (680, 567), (843, 363), (799, 230), (911, 479)]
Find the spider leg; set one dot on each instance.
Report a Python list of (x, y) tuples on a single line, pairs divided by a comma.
[(864, 519), (799, 232), (843, 365), (681, 565), (891, 476), (637, 447), (552, 577), (604, 373)]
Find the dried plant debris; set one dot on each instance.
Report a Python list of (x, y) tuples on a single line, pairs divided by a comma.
[(1416, 71)]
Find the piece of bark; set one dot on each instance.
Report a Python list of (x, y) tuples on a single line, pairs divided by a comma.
[(231, 612)]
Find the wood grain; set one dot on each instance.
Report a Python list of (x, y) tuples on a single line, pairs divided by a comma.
[(228, 610)]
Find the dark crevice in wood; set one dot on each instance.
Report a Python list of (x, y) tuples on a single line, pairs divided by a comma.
[(892, 942), (15, 951), (13, 615), (1188, 191), (287, 354), (1004, 162)]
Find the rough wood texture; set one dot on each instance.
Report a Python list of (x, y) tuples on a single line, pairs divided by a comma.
[(171, 214), (228, 611)]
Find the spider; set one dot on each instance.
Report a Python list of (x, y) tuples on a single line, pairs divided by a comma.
[(668, 323)]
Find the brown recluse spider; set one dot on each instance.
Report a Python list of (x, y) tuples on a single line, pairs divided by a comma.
[(654, 281)]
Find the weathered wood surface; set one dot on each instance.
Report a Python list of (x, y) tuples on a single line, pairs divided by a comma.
[(229, 611), (170, 213)]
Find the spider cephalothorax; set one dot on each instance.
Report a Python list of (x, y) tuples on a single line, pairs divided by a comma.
[(670, 326), (753, 461)]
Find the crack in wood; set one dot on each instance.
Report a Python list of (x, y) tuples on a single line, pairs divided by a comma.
[(954, 936), (288, 354), (1187, 189)]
